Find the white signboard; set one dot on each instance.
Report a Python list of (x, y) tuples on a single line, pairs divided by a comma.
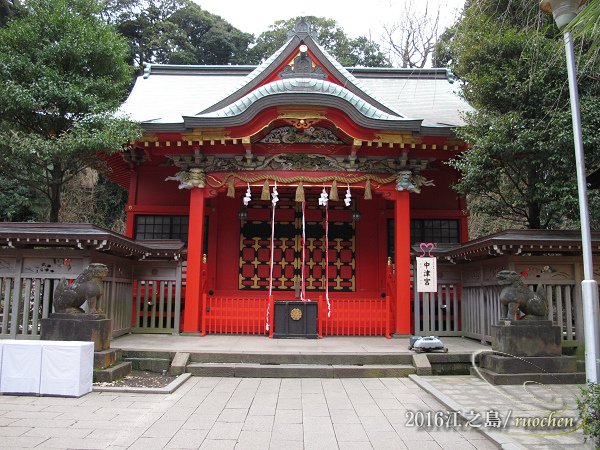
[(426, 274)]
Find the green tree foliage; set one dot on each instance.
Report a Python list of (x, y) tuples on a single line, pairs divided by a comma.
[(177, 32), (18, 203), (8, 10), (521, 164), (349, 52), (62, 75), (587, 22), (587, 26), (589, 412), (442, 54)]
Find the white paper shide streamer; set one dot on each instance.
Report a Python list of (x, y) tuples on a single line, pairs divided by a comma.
[(248, 196)]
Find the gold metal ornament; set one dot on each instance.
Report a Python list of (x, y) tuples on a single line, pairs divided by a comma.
[(296, 314)]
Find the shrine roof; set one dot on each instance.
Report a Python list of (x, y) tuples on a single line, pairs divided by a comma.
[(171, 92), (175, 97), (84, 236), (520, 242)]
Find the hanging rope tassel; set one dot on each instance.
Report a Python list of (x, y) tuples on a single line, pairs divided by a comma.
[(265, 194), (327, 260), (272, 249), (274, 199), (231, 188), (303, 285), (368, 194), (300, 193), (333, 193)]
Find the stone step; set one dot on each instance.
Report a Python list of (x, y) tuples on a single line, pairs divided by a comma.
[(520, 378), (250, 370), (304, 358), (146, 354), (180, 361), (112, 373), (106, 358), (150, 361), (157, 365), (529, 364)]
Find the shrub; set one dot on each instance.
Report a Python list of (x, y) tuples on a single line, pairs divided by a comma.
[(589, 411)]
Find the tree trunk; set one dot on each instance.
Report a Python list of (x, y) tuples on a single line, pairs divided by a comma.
[(534, 208), (534, 221), (55, 188)]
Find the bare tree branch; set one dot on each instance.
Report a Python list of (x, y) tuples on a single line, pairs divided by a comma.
[(411, 40)]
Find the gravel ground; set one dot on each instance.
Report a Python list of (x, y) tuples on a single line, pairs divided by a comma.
[(138, 378)]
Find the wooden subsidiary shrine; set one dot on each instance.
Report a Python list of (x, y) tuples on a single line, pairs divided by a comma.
[(303, 122)]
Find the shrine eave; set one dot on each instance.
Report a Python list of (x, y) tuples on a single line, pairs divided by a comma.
[(302, 86), (84, 236), (373, 120), (520, 242)]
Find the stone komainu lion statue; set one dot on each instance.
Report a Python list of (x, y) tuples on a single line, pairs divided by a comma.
[(516, 296), (68, 298)]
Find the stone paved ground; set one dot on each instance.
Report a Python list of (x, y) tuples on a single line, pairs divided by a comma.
[(215, 343), (536, 401), (233, 413)]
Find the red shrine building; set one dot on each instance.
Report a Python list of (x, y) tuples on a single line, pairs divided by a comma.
[(218, 140)]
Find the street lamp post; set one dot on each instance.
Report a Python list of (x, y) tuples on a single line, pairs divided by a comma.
[(564, 11)]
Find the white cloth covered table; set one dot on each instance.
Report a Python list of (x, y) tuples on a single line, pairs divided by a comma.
[(67, 368), (21, 367), (46, 367)]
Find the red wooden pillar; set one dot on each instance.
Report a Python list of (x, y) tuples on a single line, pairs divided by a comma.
[(131, 201), (402, 261), (193, 294)]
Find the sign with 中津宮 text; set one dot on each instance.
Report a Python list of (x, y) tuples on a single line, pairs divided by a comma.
[(426, 274)]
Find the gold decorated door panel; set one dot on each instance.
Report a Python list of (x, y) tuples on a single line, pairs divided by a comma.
[(255, 250)]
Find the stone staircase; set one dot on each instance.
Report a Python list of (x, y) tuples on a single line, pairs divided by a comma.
[(109, 365), (299, 365)]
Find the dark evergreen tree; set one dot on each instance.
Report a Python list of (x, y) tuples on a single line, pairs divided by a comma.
[(177, 32), (521, 164), (62, 75)]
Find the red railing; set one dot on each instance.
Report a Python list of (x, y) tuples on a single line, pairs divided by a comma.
[(355, 317), (349, 317), (234, 315)]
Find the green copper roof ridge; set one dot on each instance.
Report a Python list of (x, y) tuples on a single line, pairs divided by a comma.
[(300, 86)]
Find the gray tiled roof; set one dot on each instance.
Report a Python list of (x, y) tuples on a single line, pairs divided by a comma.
[(352, 78), (170, 92), (435, 100)]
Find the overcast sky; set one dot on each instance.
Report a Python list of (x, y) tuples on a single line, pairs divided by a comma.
[(357, 18)]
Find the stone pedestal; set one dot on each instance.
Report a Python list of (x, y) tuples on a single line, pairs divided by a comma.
[(528, 350), (78, 327), (527, 338)]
